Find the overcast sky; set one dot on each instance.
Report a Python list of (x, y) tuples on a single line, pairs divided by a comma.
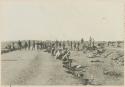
[(62, 19)]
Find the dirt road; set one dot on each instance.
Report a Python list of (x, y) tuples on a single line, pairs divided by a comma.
[(40, 68), (34, 68)]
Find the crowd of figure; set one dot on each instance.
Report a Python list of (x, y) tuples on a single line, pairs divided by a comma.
[(39, 45), (59, 49), (72, 45)]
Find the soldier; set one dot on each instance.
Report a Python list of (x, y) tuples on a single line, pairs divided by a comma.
[(41, 45), (13, 48), (29, 43), (78, 44), (52, 52), (37, 45), (71, 45), (19, 44), (74, 46), (66, 61), (33, 45), (25, 45), (60, 44), (63, 45)]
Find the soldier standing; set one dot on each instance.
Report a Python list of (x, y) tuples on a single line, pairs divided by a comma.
[(19, 44), (33, 45), (63, 45), (29, 45), (78, 44), (25, 45), (12, 46), (74, 46), (71, 45)]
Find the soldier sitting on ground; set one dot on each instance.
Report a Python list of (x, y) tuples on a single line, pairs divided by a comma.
[(52, 51), (66, 61)]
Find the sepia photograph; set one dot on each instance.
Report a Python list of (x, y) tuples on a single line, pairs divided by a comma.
[(62, 42)]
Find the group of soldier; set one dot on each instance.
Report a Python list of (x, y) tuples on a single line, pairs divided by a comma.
[(59, 49), (39, 45), (62, 54)]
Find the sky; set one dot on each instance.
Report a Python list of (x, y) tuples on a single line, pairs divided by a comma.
[(62, 20)]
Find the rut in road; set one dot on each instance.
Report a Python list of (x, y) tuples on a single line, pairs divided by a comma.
[(28, 72)]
